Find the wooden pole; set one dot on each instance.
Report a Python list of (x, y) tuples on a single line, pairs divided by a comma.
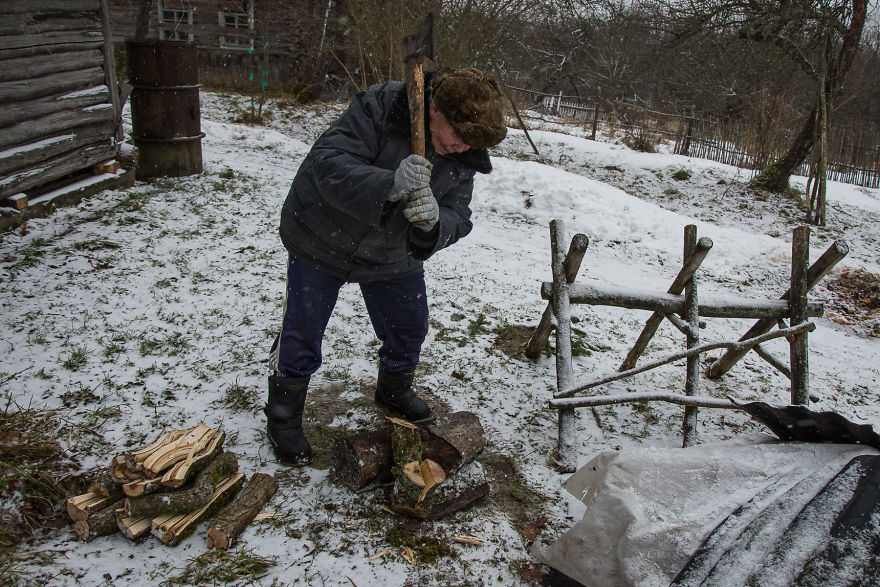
[(597, 293), (565, 450), (572, 264), (692, 317), (744, 345), (800, 370), (703, 246), (822, 267)]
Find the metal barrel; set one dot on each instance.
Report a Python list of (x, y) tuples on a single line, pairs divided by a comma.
[(165, 114)]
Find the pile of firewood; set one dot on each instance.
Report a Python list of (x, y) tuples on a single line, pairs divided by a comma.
[(428, 467), (168, 487)]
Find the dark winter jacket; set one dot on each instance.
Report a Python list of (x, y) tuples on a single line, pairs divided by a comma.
[(336, 217)]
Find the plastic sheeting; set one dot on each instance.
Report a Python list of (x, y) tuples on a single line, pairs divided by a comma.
[(648, 510)]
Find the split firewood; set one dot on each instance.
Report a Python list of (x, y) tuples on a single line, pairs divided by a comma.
[(235, 517), (197, 459), (172, 528), (120, 473), (134, 460), (133, 527), (366, 459), (81, 507), (99, 523), (177, 450), (102, 483), (142, 487), (189, 498)]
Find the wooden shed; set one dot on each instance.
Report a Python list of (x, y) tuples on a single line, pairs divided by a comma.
[(60, 110)]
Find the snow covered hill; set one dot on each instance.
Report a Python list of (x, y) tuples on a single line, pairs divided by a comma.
[(155, 307)]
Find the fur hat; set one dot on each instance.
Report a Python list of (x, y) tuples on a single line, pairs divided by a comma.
[(470, 100)]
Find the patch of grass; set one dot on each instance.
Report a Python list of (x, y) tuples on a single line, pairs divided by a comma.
[(640, 143), (681, 175), (426, 549), (240, 398), (671, 192), (478, 325), (76, 359), (220, 567), (171, 345), (95, 245), (31, 467)]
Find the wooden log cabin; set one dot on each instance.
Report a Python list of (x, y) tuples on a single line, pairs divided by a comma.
[(60, 111)]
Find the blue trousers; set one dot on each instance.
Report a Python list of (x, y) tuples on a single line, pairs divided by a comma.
[(398, 309)]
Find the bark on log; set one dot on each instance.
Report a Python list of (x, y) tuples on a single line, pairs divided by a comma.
[(188, 499), (173, 528), (100, 481), (365, 459), (241, 511), (100, 523)]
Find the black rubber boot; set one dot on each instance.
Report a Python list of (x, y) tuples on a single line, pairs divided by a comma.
[(394, 390), (284, 411)]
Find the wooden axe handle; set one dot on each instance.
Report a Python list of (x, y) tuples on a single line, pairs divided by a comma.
[(415, 90)]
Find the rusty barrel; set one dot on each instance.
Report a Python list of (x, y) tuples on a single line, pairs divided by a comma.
[(165, 115)]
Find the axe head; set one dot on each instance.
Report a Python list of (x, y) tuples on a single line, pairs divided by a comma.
[(420, 45)]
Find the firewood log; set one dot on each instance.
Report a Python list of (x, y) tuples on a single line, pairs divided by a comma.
[(81, 507), (172, 528), (142, 487), (102, 483), (99, 523), (134, 460), (189, 498), (186, 469), (453, 494), (133, 527), (178, 450), (365, 459), (241, 511)]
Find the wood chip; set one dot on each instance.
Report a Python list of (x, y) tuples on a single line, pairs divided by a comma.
[(380, 555), (266, 516), (407, 553), (401, 422), (469, 540)]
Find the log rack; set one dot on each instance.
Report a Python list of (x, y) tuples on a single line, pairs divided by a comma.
[(682, 307)]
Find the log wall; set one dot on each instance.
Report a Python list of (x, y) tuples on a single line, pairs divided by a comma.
[(59, 102)]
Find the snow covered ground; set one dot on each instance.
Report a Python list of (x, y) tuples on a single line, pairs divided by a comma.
[(153, 308)]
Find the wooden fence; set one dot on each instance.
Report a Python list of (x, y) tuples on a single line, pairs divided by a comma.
[(853, 154)]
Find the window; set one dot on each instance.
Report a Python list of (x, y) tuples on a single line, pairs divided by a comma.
[(175, 24), (237, 23)]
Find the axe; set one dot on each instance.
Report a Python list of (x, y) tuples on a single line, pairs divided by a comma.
[(416, 48)]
